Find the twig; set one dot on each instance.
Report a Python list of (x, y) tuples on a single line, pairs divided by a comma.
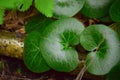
[(80, 75)]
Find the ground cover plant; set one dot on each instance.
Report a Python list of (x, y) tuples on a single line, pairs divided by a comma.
[(52, 34)]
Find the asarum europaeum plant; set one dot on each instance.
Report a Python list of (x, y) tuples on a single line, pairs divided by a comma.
[(51, 46), (50, 43)]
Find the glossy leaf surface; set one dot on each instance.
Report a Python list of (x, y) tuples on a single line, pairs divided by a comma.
[(32, 55), (96, 8), (57, 43), (67, 8), (103, 44)]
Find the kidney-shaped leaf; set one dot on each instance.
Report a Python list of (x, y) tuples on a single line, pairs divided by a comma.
[(96, 8), (115, 11), (67, 8), (57, 43), (103, 44), (32, 56)]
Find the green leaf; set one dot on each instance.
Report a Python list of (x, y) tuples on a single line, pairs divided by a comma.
[(32, 54), (57, 41), (37, 23), (25, 5), (103, 44), (115, 11), (114, 73), (96, 8), (10, 4), (67, 8), (1, 15), (45, 7)]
